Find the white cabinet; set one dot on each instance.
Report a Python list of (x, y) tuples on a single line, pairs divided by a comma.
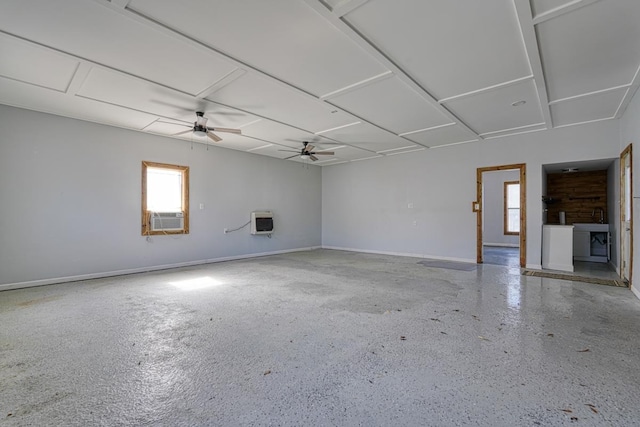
[(557, 247)]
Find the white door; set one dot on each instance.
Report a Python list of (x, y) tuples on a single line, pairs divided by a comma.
[(626, 214)]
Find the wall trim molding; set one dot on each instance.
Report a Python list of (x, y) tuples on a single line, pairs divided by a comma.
[(102, 275), (402, 254), (503, 245)]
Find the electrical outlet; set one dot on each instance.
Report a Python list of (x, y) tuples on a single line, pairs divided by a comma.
[(410, 205), (201, 206), (415, 223)]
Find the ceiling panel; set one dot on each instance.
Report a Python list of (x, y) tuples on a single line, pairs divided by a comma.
[(32, 97), (368, 137), (267, 98), (278, 133), (235, 142), (492, 111), (391, 104), (347, 153), (444, 135), (92, 31), (165, 127), (33, 64), (284, 38), (593, 107), (450, 47), (273, 150), (592, 48), (120, 89)]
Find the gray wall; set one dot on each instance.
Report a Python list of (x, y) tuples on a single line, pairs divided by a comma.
[(365, 204), (493, 208), (71, 197)]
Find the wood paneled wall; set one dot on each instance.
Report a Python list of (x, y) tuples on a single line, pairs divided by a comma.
[(577, 194)]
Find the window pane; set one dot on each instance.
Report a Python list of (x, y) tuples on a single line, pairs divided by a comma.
[(164, 190), (513, 221), (513, 196)]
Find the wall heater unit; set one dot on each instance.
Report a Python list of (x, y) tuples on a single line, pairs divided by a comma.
[(167, 221), (261, 222)]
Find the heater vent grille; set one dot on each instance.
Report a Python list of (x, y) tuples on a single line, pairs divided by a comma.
[(261, 222)]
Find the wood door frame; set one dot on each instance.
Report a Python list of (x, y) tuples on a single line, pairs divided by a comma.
[(477, 207), (626, 152)]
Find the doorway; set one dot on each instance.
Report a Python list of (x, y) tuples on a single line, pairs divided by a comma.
[(626, 216), (513, 207)]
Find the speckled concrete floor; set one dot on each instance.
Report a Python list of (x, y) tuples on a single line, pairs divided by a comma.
[(320, 338)]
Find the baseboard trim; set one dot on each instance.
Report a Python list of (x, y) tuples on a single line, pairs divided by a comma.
[(534, 266), (614, 268), (635, 291), (403, 254), (502, 245), (102, 275)]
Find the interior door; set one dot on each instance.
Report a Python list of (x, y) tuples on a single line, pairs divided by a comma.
[(626, 215), (477, 208)]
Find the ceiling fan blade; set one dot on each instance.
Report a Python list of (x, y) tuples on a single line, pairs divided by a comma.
[(228, 130), (314, 158), (291, 157), (214, 137), (182, 133), (308, 148), (324, 153)]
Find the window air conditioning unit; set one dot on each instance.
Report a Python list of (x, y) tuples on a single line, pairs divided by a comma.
[(261, 222), (167, 221)]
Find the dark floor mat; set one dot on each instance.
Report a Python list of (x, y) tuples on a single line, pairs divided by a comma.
[(573, 278), (450, 265)]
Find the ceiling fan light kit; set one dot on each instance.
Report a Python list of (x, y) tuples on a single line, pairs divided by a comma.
[(200, 129), (307, 152)]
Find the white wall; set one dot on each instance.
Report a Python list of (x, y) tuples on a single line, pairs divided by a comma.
[(630, 134), (71, 197), (493, 208), (364, 204)]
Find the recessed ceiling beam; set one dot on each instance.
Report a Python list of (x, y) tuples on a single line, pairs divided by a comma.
[(530, 41), (485, 89), (347, 6), (230, 77), (78, 78), (633, 88), (366, 82), (120, 3), (561, 10)]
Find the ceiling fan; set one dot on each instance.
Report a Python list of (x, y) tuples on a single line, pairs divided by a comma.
[(307, 152), (200, 128)]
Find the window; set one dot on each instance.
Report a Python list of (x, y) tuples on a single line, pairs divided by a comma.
[(512, 207), (165, 199)]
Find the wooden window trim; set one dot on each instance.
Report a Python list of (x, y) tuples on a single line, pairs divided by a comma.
[(146, 215), (505, 211)]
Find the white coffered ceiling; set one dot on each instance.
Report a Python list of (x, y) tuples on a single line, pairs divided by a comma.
[(364, 78)]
